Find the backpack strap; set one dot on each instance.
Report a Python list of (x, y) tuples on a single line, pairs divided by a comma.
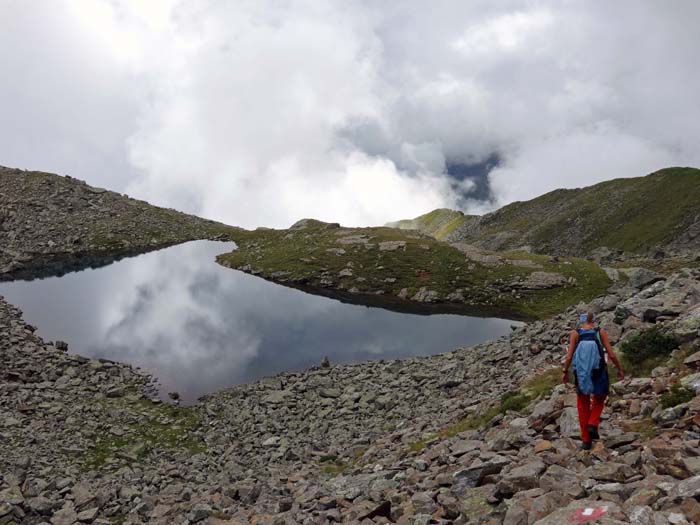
[(599, 342)]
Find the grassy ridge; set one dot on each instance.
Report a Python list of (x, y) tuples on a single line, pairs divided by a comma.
[(437, 223), (326, 258), (635, 215)]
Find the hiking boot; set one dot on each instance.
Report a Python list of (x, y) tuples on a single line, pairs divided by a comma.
[(586, 445), (593, 432)]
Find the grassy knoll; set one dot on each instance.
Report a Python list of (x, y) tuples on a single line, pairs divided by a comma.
[(438, 223), (388, 266)]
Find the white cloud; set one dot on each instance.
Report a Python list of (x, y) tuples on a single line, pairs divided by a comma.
[(260, 113), (575, 160), (507, 32)]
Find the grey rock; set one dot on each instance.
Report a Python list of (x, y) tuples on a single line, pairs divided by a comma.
[(423, 295), (642, 516), (423, 503), (568, 423), (692, 381), (641, 277), (475, 474), (688, 488), (65, 516)]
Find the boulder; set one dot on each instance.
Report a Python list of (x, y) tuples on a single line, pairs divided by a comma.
[(641, 277), (65, 516), (524, 477), (475, 474), (541, 281), (608, 471), (568, 423), (558, 478), (692, 381), (688, 488)]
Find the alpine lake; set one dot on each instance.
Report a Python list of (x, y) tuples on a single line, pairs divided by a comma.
[(198, 327)]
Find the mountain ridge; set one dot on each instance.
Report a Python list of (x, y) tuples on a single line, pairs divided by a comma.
[(640, 215)]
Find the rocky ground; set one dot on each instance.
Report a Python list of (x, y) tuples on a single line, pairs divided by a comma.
[(408, 270), (51, 224), (476, 435)]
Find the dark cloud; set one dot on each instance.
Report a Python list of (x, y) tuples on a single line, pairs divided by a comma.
[(478, 174)]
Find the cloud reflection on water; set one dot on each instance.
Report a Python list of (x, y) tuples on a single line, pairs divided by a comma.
[(200, 327)]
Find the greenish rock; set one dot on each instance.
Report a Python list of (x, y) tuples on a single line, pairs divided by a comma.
[(475, 502), (692, 381), (331, 393)]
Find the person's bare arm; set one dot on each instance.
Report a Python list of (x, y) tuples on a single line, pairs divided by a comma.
[(608, 347), (573, 341)]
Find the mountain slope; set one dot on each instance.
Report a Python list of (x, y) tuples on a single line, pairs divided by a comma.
[(51, 224), (637, 215), (438, 223)]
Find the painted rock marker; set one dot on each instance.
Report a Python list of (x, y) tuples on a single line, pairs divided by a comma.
[(586, 514)]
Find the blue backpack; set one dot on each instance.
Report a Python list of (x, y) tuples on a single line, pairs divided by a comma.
[(589, 362)]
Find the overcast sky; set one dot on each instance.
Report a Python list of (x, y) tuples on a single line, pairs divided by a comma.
[(263, 112)]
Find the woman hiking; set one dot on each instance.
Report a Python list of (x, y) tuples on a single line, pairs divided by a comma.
[(587, 347)]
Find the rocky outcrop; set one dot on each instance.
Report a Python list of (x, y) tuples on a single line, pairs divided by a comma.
[(416, 441), (51, 224)]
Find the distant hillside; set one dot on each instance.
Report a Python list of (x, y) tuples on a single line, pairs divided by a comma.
[(51, 224), (639, 215), (438, 223)]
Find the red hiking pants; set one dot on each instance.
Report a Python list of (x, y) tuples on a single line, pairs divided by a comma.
[(589, 413)]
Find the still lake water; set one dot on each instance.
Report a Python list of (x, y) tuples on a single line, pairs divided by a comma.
[(199, 327)]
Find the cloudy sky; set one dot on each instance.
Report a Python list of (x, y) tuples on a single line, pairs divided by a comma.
[(262, 112)]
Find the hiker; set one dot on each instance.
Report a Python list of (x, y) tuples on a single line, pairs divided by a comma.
[(587, 347)]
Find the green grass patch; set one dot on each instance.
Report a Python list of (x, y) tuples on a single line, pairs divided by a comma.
[(417, 446), (645, 351), (645, 427), (334, 466), (675, 396), (437, 223), (514, 401), (538, 386), (313, 257), (473, 422), (543, 384), (148, 427)]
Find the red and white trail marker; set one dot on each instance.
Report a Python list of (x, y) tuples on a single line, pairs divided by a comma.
[(586, 514)]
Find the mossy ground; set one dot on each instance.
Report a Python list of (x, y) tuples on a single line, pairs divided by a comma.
[(334, 466), (145, 427), (540, 385), (314, 256), (676, 395), (437, 223), (643, 352), (665, 265), (645, 427)]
